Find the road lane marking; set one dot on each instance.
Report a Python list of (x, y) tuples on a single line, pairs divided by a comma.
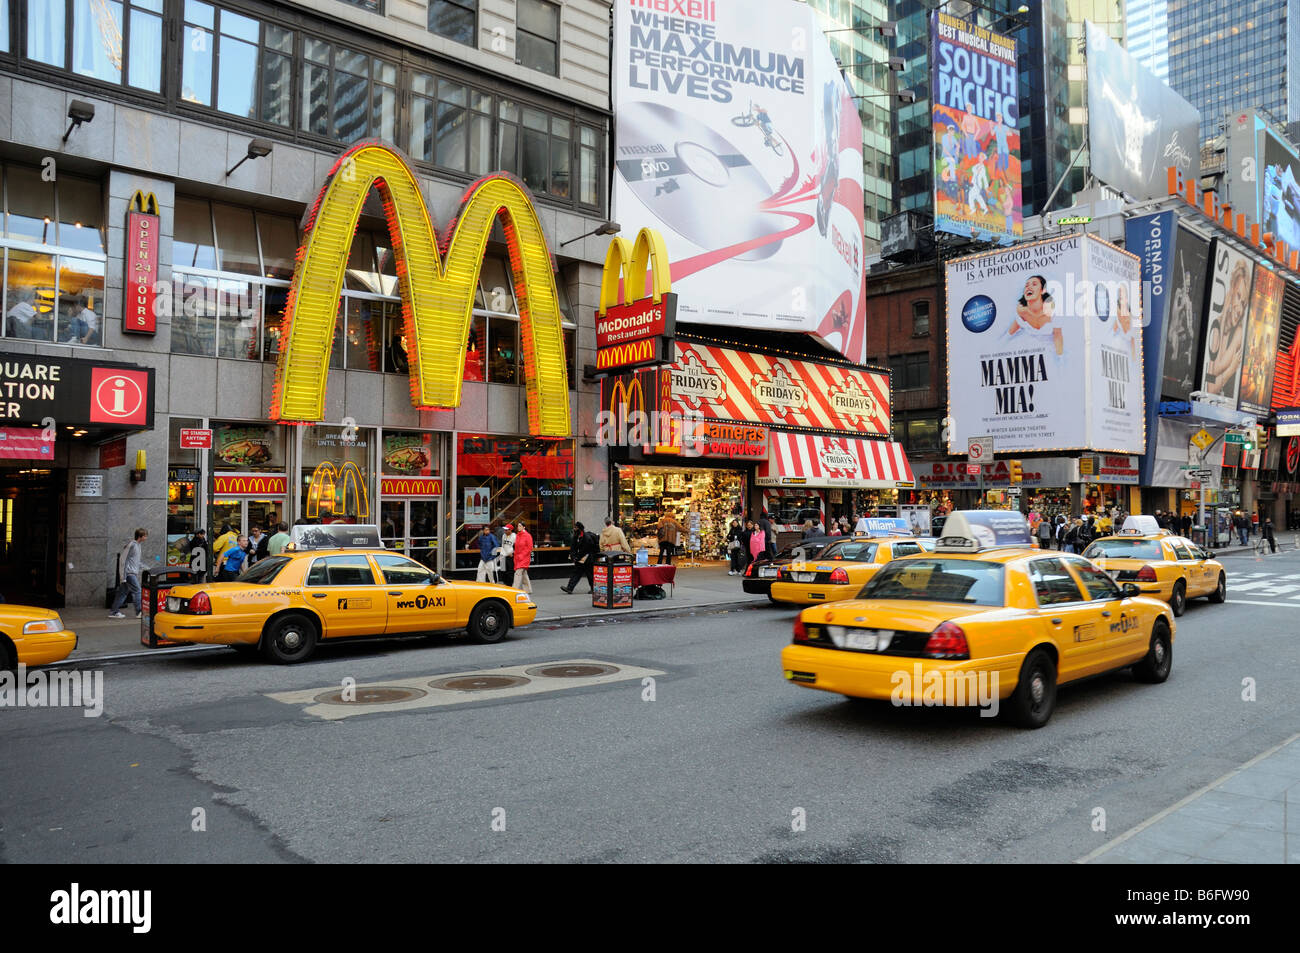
[(1255, 602), (437, 697)]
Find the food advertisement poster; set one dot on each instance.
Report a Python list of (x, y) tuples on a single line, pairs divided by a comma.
[(409, 454), (736, 137), (1045, 347), (247, 448)]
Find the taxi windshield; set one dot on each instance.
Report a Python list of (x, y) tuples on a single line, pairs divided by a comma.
[(939, 580), (266, 570), (856, 551), (1124, 549)]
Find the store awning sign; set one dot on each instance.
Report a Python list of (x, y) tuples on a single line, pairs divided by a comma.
[(800, 459), (142, 238), (249, 484), (635, 332), (69, 391), (438, 282), (411, 487)]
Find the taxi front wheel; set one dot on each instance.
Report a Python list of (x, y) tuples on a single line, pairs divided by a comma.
[(1158, 661), (1178, 600), (489, 622), (1220, 593), (289, 639), (1034, 700)]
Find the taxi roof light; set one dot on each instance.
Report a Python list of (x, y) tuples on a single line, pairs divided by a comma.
[(947, 641), (1140, 525), (972, 531)]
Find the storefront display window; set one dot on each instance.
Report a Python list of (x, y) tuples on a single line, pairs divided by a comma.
[(703, 501), (512, 478), (336, 475), (412, 494), (248, 448)]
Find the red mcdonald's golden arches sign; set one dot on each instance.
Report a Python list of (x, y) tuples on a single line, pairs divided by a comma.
[(438, 279), (421, 487), (330, 483), (248, 484)]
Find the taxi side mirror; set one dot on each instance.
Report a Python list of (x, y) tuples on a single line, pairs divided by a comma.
[(1130, 589)]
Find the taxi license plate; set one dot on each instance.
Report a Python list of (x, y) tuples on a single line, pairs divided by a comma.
[(868, 640), (768, 572), (805, 576)]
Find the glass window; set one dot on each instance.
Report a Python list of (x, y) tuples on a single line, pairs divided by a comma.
[(279, 238), (920, 318), (336, 474), (31, 295), (197, 59), (97, 39), (236, 239), (353, 570), (400, 571), (536, 150), (192, 243), (476, 350), (145, 52), (537, 36), (938, 580), (1124, 549), (1096, 583), (81, 302), (588, 166), (1182, 549), (421, 142), (46, 23), (503, 351), (452, 132), (854, 552), (496, 286), (238, 309), (395, 359), (238, 54), (1053, 583), (363, 334), (453, 19), (277, 75), (30, 205), (274, 300)]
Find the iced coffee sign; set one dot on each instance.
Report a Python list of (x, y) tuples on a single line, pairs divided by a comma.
[(1045, 347)]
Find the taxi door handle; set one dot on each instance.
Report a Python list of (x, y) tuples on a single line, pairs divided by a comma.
[(1057, 621), (319, 595), (391, 593), (1105, 613)]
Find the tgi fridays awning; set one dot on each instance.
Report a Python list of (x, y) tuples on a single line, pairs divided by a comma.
[(806, 460)]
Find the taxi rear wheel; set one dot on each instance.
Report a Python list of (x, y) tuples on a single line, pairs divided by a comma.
[(1159, 660), (1034, 700), (8, 656), (289, 639), (1220, 593), (1178, 600), (489, 622)]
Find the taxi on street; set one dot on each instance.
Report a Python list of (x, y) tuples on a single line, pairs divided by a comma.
[(321, 590), (1162, 565), (32, 636), (843, 567), (985, 611)]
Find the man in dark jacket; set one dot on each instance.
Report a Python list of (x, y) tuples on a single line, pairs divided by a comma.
[(1267, 533), (766, 526), (583, 552)]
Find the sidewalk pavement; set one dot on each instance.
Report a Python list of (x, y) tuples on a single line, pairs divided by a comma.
[(1248, 816), (707, 586)]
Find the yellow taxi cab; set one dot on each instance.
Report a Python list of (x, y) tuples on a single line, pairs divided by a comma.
[(32, 636), (841, 569), (284, 605), (985, 619), (1160, 564)]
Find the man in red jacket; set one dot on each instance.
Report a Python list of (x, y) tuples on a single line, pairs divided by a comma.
[(523, 557)]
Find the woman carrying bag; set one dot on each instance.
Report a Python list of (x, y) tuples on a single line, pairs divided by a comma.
[(734, 551)]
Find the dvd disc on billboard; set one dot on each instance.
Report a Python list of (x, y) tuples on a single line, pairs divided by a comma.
[(696, 182)]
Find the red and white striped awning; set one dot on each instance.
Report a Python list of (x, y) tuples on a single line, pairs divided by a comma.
[(797, 459)]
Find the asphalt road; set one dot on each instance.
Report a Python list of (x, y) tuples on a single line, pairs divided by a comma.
[(715, 768)]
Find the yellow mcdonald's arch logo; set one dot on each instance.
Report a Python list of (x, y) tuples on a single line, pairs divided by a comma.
[(438, 281), (248, 485), (145, 202), (622, 395), (630, 264), (411, 486), (330, 483)]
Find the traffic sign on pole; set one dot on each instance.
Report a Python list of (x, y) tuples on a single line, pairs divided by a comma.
[(979, 449)]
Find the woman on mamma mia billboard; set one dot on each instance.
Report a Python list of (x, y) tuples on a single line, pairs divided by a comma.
[(1045, 348)]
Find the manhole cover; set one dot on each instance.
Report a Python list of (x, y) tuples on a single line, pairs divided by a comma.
[(479, 683), (378, 695), (583, 670)]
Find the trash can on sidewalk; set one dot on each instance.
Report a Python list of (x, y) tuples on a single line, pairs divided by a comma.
[(155, 586), (611, 581)]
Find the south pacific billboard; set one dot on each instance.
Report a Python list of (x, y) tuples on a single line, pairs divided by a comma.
[(737, 139), (1045, 347), (974, 112)]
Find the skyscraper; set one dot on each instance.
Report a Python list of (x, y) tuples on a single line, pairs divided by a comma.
[(1146, 31), (1225, 57)]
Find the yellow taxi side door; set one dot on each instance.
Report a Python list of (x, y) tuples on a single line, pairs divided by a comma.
[(1209, 573), (418, 601), (1181, 551), (342, 587), (1068, 618), (1123, 635)]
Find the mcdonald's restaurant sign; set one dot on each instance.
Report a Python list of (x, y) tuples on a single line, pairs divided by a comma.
[(438, 278), (245, 484), (639, 332), (330, 484), (139, 289), (411, 487)]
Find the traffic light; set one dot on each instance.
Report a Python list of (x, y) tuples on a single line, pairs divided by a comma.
[(1017, 472)]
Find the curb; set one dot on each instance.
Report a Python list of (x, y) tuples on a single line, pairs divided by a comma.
[(559, 622)]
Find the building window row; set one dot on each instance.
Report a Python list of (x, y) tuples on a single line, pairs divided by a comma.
[(255, 69)]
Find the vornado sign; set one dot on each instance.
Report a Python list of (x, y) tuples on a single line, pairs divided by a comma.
[(637, 332), (438, 281)]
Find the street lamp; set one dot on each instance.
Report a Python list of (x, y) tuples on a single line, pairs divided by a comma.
[(605, 228), (904, 96)]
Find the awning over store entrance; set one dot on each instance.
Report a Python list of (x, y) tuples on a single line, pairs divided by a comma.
[(806, 460)]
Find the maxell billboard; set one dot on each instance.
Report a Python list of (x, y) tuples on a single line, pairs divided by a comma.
[(1137, 126), (974, 93), (736, 138), (1045, 347)]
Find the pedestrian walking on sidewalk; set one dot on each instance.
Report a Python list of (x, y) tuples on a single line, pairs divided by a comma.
[(506, 555), (488, 547), (757, 543), (523, 550), (583, 552), (1268, 535), (670, 532), (735, 552), (612, 538), (129, 564)]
